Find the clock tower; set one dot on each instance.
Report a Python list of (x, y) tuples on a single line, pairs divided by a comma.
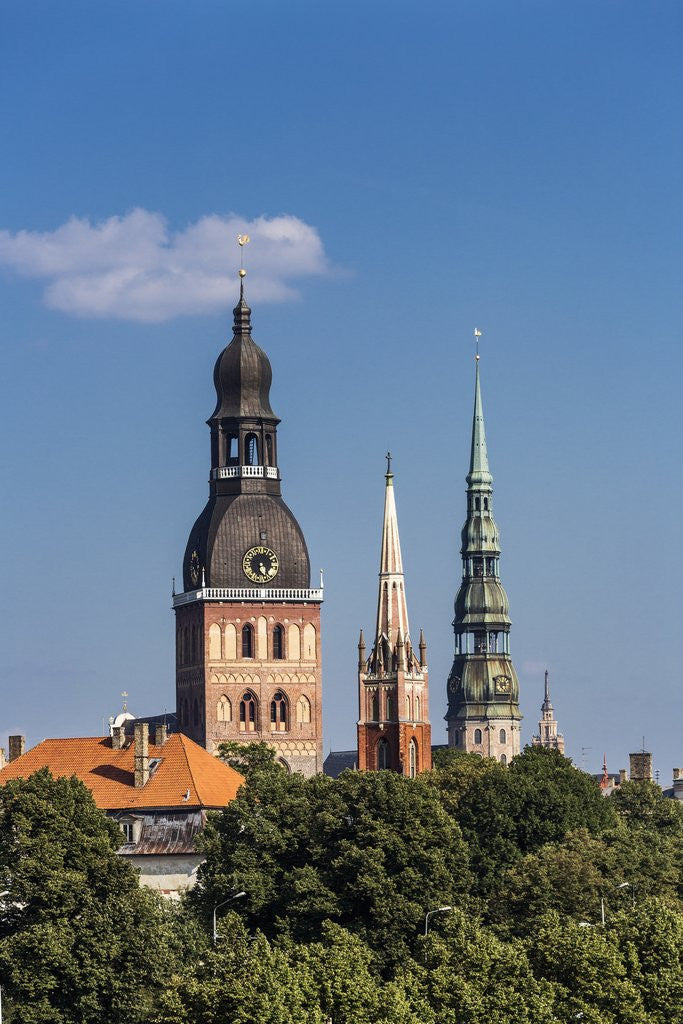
[(248, 660), (393, 689), (483, 692)]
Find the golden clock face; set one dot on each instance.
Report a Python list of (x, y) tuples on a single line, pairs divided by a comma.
[(260, 564), (503, 684), (194, 568)]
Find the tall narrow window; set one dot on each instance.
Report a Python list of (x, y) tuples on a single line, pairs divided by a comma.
[(477, 735), (503, 736), (251, 450), (477, 504), (224, 709), (503, 759), (248, 712), (382, 755), (278, 642), (233, 450), (418, 709), (247, 641), (303, 710), (390, 708), (278, 712), (269, 450), (408, 709), (412, 759), (486, 504), (375, 706)]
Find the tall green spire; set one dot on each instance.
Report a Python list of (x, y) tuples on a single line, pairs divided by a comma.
[(479, 460)]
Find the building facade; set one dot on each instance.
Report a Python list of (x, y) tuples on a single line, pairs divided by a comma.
[(483, 714), (393, 685), (248, 656), (548, 736)]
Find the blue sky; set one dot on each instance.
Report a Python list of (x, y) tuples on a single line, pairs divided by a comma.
[(407, 173)]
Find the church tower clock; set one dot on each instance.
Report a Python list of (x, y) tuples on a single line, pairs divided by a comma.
[(393, 688), (483, 692), (248, 661)]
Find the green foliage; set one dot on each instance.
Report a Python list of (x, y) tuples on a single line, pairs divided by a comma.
[(250, 759), (370, 851), (77, 933)]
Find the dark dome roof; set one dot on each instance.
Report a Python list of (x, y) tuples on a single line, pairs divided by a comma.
[(230, 525), (242, 375)]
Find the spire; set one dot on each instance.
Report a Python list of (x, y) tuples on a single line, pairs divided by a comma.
[(242, 313), (546, 705), (392, 613), (479, 461)]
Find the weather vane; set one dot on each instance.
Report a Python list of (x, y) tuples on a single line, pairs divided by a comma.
[(124, 694), (477, 336), (242, 240)]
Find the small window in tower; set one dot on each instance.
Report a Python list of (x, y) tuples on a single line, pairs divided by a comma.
[(503, 736), (248, 712), (251, 450), (278, 643), (478, 566), (375, 707), (382, 755), (278, 712), (503, 759), (247, 641), (390, 708), (477, 504), (477, 735), (233, 450), (412, 759), (269, 450), (418, 710), (486, 504), (457, 739)]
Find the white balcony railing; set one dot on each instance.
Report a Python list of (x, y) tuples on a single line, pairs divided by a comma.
[(224, 472), (248, 594)]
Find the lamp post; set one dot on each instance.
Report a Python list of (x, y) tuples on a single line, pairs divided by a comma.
[(237, 896), (430, 913)]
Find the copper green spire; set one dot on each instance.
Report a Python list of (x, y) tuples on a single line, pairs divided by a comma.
[(479, 460)]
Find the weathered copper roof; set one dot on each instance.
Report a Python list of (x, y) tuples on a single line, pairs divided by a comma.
[(186, 776), (171, 832)]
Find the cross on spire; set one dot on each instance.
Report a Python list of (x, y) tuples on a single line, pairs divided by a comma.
[(388, 457)]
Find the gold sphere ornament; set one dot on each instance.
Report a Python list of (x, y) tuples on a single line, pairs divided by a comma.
[(243, 273)]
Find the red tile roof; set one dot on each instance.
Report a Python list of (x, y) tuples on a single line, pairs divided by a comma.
[(185, 768)]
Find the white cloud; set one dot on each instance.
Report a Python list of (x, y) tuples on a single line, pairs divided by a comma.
[(135, 268)]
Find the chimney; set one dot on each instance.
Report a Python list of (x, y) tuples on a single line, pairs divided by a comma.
[(141, 754), (2, 758), (160, 734), (118, 737), (641, 766), (17, 745), (623, 775)]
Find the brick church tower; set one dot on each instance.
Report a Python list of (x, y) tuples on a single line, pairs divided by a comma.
[(248, 660), (393, 690)]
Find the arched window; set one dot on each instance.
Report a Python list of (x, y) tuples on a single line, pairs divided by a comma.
[(486, 504), (303, 710), (224, 709), (247, 640), (248, 712), (408, 708), (269, 450), (503, 736), (251, 450), (412, 759), (283, 764), (418, 709), (278, 712), (195, 712), (477, 504), (278, 642), (214, 642), (390, 708), (375, 706), (503, 759), (382, 755), (457, 739), (477, 735)]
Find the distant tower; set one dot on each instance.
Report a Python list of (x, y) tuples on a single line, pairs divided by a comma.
[(248, 662), (548, 735), (393, 694), (483, 692)]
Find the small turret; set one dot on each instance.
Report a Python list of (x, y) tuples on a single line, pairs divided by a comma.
[(361, 650)]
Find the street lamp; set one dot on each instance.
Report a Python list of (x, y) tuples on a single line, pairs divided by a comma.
[(430, 913), (237, 896)]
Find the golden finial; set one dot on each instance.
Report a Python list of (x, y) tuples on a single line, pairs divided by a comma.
[(242, 241), (477, 336)]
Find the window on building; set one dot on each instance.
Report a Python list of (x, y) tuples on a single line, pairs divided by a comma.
[(503, 736), (269, 450), (278, 712), (375, 706), (477, 735), (278, 643), (233, 450), (408, 709), (382, 755), (412, 759), (224, 709), (418, 709), (303, 710), (486, 504), (390, 708), (247, 640), (477, 504), (457, 739), (251, 450), (248, 712), (503, 759), (128, 829), (478, 566)]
